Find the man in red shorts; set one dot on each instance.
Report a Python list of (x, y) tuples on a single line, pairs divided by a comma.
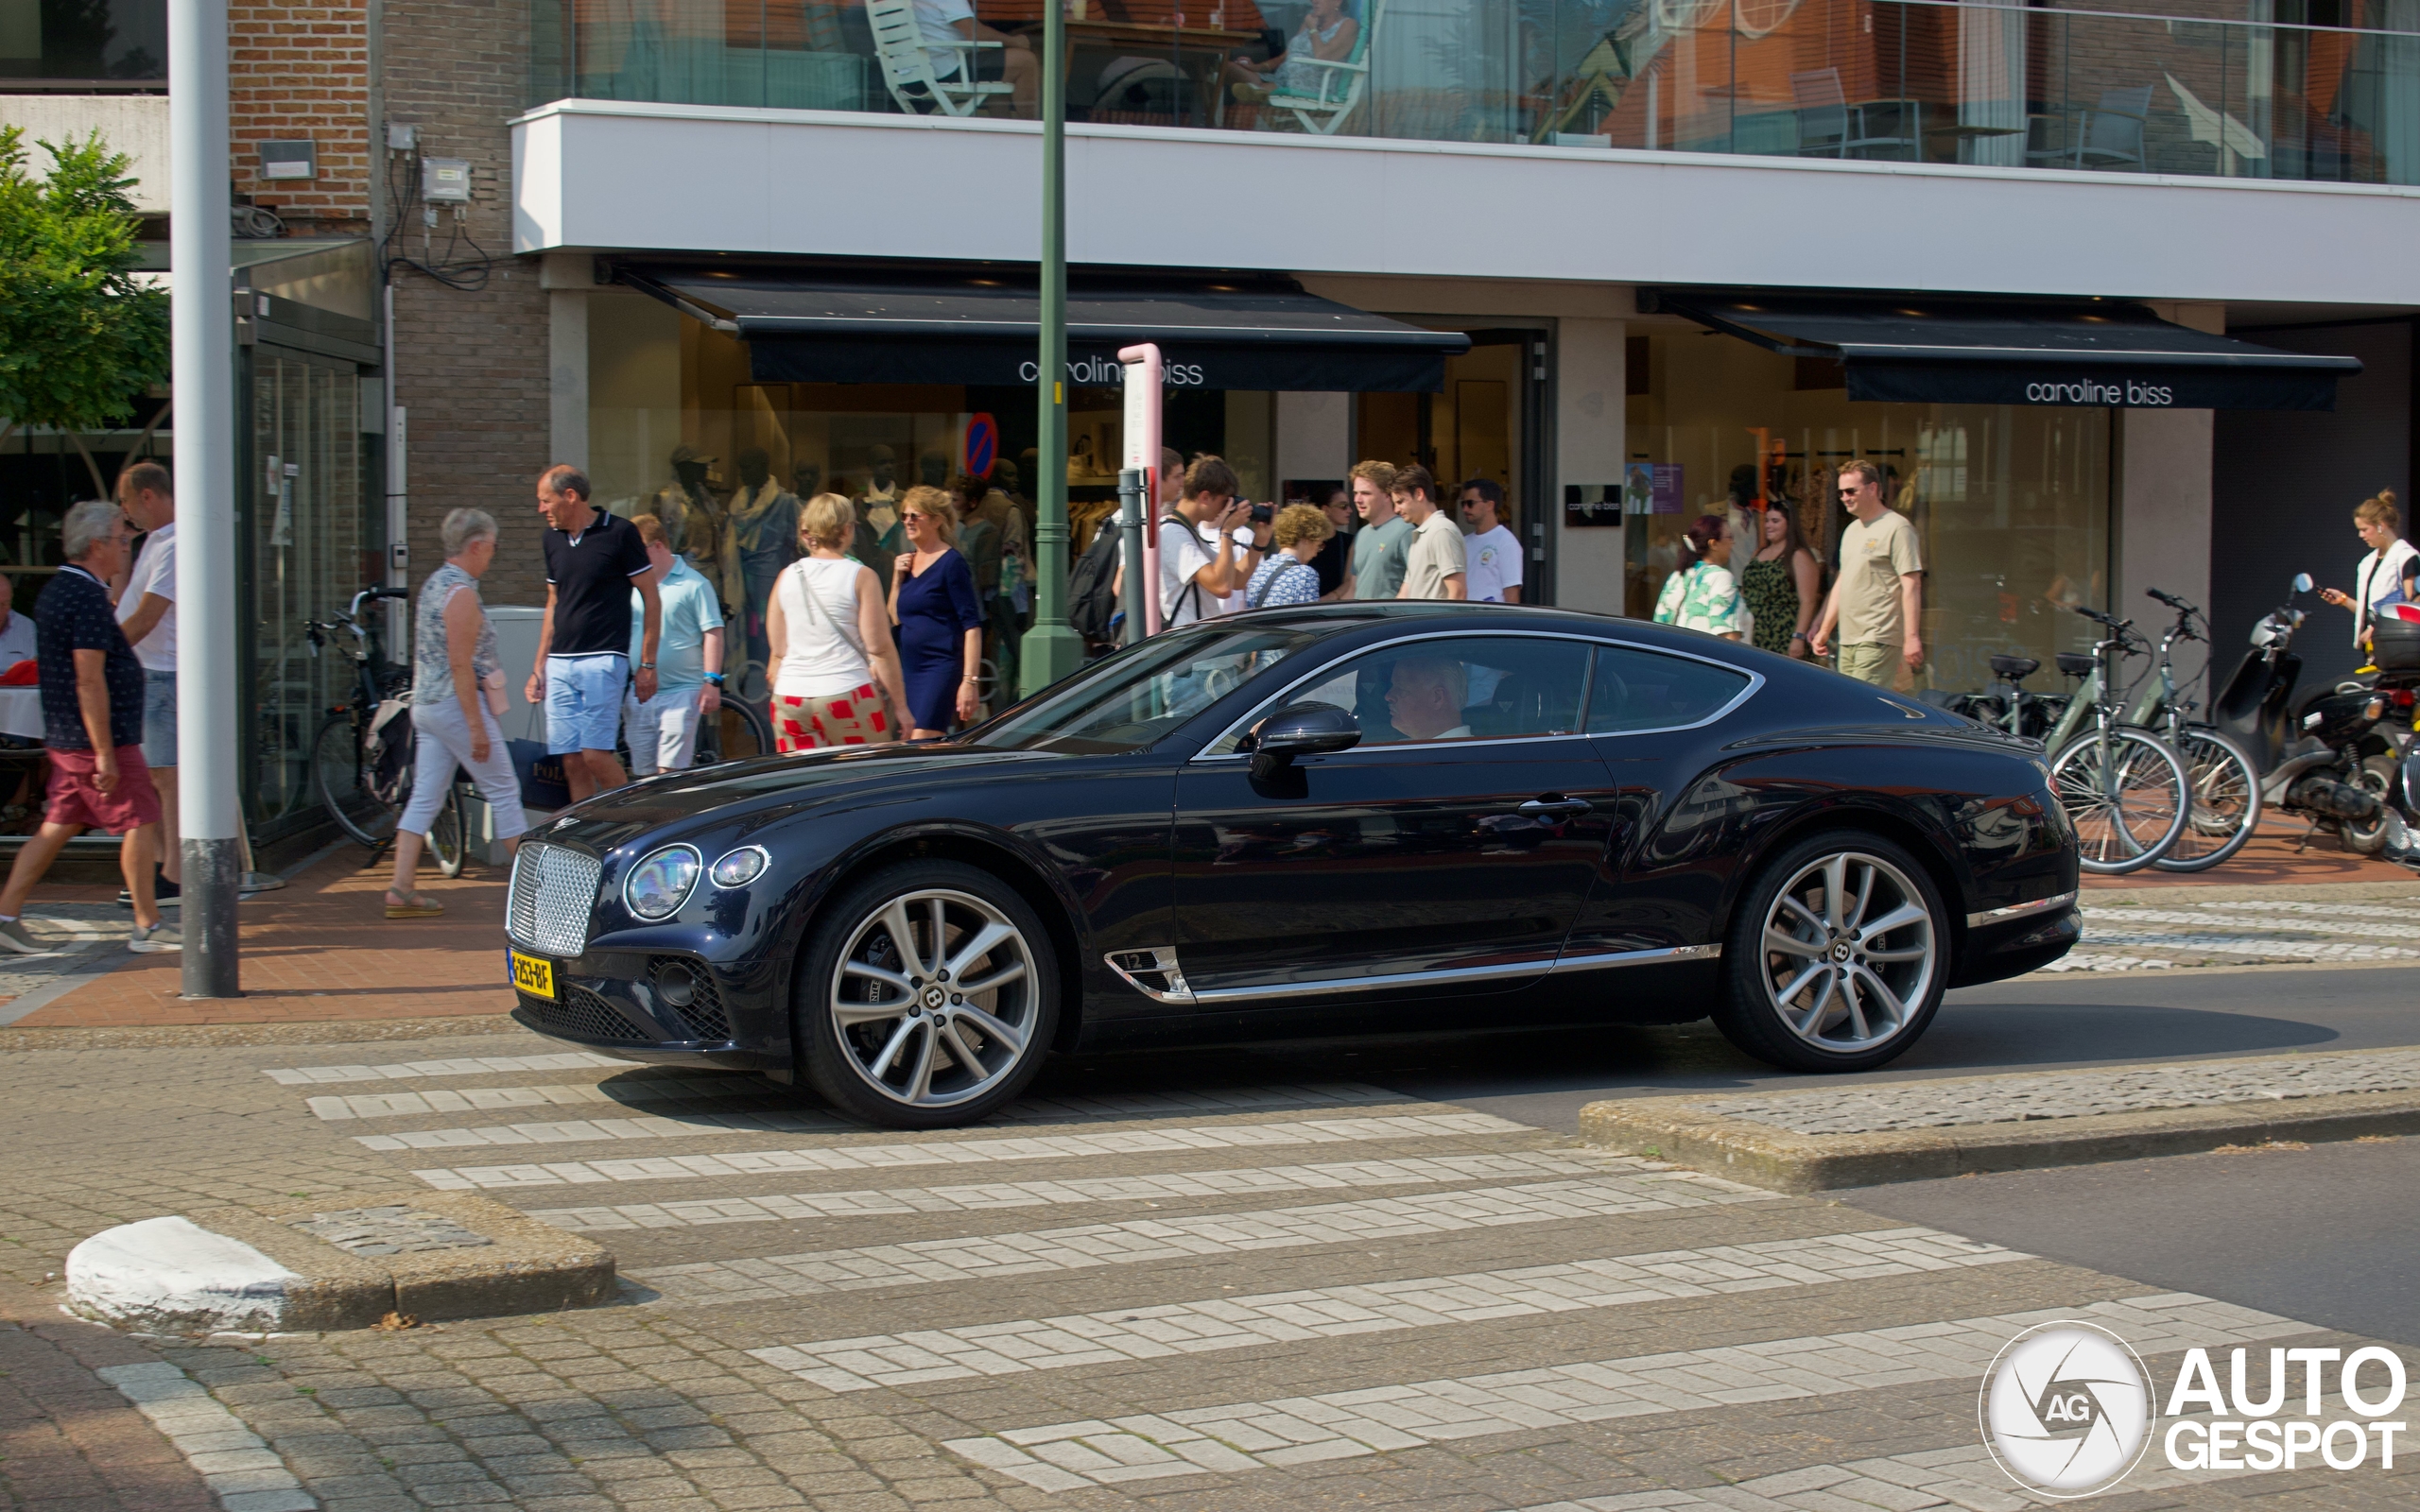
[(92, 714)]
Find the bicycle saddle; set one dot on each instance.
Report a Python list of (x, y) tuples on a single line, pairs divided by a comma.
[(2078, 664), (2015, 668)]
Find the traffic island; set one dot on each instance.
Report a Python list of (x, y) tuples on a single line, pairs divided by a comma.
[(316, 1267), (1875, 1133)]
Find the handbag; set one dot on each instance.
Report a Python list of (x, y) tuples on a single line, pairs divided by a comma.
[(544, 784)]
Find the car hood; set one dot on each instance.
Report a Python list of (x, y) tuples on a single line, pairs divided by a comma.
[(768, 786)]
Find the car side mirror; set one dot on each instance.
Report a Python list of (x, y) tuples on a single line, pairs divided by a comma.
[(2302, 582), (1301, 730)]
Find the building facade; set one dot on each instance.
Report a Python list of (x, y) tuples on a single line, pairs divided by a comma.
[(1696, 252)]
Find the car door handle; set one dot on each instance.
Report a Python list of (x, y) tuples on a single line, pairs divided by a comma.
[(1538, 808)]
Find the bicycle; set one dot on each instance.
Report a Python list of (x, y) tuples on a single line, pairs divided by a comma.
[(366, 797), (2128, 792), (2227, 786)]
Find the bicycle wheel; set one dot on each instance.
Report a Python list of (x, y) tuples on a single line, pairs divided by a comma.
[(344, 788), (449, 843), (2128, 815), (741, 730), (2226, 802)]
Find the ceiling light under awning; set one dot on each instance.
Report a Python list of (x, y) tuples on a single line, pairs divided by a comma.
[(1953, 351), (813, 325)]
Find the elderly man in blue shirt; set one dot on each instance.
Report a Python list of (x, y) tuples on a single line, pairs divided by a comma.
[(663, 730)]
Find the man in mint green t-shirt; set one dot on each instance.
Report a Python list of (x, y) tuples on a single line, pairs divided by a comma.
[(663, 730)]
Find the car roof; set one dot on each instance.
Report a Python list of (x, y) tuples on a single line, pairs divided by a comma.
[(1399, 615)]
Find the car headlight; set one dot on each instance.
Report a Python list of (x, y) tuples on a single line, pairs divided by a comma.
[(659, 884), (741, 867)]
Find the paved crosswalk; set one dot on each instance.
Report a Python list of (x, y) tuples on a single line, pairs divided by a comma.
[(1211, 1292)]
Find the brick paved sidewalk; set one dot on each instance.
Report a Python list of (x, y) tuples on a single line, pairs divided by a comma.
[(68, 1442), (2269, 858), (322, 949)]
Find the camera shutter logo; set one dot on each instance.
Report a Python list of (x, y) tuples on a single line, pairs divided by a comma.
[(2066, 1409)]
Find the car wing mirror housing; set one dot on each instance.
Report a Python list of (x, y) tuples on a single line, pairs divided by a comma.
[(1301, 730)]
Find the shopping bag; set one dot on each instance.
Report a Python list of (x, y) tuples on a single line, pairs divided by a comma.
[(543, 784)]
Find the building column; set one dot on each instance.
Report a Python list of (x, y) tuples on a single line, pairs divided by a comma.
[(1314, 437), (2161, 515), (567, 280), (1589, 440)]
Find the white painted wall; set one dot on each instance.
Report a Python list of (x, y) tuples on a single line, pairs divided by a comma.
[(136, 124), (613, 175), (567, 279), (1314, 435), (2163, 506), (1588, 435)]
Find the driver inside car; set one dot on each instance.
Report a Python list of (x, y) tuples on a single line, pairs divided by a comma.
[(1425, 700)]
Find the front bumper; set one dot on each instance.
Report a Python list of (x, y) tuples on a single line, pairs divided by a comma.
[(616, 1003)]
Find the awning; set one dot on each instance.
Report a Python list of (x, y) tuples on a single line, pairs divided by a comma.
[(811, 326), (1917, 349)]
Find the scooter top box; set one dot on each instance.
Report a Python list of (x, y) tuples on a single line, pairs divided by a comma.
[(2394, 639)]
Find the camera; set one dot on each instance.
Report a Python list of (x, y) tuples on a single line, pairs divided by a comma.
[(1262, 513)]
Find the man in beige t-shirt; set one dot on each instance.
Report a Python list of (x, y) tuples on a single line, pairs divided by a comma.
[(1878, 602), (1436, 564)]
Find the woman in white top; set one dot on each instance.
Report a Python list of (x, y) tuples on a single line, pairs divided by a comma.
[(2380, 578), (834, 674)]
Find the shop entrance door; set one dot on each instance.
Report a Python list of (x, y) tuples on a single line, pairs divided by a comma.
[(1488, 422)]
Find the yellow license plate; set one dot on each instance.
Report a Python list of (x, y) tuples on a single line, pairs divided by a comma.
[(532, 976)]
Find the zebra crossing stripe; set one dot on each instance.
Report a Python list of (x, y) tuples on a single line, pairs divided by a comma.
[(473, 1066), (1230, 1323), (1249, 1435), (338, 1109), (1171, 1185), (982, 1256), (986, 1151)]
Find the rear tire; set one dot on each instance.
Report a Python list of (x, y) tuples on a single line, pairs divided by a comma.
[(449, 836), (1838, 955), (2226, 802), (886, 1035), (335, 772), (2376, 776)]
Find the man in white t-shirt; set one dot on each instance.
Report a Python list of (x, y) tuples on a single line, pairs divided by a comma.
[(1493, 552), (147, 611), (16, 632), (1194, 580), (944, 22)]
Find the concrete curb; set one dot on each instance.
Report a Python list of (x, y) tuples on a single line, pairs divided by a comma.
[(248, 1269), (1679, 1130)]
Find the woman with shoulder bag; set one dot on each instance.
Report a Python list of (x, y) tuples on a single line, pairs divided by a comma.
[(1702, 595), (2381, 576), (1287, 575), (833, 668)]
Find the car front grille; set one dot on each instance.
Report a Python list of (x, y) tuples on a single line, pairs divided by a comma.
[(554, 889), (582, 1014)]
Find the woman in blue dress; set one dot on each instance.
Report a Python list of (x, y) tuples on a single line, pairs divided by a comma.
[(939, 618)]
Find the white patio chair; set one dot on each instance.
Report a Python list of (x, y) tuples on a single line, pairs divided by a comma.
[(1341, 84), (899, 47)]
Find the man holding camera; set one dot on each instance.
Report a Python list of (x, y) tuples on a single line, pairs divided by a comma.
[(1196, 580)]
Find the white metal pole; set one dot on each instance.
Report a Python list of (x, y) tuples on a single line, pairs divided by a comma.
[(205, 338)]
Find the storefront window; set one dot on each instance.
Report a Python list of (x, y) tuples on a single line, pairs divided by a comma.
[(2012, 505)]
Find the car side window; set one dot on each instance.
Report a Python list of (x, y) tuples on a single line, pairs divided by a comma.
[(1449, 688), (1646, 690)]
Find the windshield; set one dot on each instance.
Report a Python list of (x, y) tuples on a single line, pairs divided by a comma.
[(1126, 701)]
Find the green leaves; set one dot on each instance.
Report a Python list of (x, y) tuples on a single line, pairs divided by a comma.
[(79, 336)]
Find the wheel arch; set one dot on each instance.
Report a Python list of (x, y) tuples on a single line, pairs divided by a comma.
[(1854, 816)]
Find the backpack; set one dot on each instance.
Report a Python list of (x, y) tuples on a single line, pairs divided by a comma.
[(1091, 590)]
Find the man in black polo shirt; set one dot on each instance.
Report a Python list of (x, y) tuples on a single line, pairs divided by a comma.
[(593, 561), (92, 716)]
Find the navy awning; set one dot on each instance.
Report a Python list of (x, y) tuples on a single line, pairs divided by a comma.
[(1919, 349), (983, 327)]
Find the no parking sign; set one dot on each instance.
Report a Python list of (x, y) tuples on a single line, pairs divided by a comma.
[(981, 449)]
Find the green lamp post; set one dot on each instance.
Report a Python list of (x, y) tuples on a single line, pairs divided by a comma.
[(1053, 648)]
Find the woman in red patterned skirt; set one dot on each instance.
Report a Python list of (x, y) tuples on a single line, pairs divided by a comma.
[(834, 677)]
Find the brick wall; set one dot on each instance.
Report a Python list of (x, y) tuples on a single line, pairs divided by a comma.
[(471, 367), (298, 71)]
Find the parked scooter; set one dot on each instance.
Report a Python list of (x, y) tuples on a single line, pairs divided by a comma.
[(2324, 759)]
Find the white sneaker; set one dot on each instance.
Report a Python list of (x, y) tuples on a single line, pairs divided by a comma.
[(15, 937), (159, 937)]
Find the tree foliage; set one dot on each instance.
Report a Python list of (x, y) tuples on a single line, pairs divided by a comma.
[(81, 337)]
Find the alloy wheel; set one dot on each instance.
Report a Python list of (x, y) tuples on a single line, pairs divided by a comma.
[(1850, 952), (933, 1000)]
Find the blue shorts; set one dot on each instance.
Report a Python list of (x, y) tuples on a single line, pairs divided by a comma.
[(584, 701), (159, 718)]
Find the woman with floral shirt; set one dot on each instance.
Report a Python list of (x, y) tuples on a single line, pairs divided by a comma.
[(1287, 575), (1703, 596)]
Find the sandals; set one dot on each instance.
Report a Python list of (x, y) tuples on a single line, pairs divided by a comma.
[(414, 906)]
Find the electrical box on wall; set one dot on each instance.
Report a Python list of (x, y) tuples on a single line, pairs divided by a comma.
[(289, 160), (445, 181), (401, 136)]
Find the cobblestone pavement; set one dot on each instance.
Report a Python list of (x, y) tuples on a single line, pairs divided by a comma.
[(2167, 929), (1304, 1296), (1869, 1109)]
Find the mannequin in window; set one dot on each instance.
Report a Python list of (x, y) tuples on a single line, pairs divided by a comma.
[(692, 515), (879, 502), (760, 538)]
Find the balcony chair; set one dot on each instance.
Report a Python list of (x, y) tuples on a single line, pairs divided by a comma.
[(2108, 135), (1341, 83), (899, 48), (1830, 127)]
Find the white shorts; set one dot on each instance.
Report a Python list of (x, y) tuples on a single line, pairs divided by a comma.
[(663, 731), (441, 742)]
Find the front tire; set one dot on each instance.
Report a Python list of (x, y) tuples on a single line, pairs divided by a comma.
[(886, 1030), (2375, 775), (448, 835), (1838, 957), (335, 772), (2127, 818)]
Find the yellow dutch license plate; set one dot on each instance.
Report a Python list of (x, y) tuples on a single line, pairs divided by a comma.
[(532, 976)]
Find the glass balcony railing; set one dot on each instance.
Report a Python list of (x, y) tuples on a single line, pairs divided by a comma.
[(1865, 80)]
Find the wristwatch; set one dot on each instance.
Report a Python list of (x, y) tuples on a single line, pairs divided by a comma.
[(714, 678), (646, 666)]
